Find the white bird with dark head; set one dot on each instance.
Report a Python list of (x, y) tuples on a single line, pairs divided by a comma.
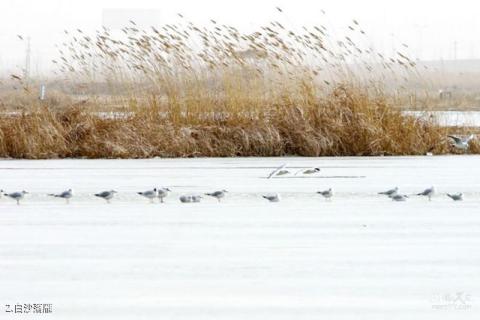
[(149, 194), (308, 171)]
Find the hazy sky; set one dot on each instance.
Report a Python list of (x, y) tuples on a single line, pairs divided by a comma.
[(430, 27)]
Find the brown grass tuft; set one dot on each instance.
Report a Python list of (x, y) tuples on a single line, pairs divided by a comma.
[(188, 91)]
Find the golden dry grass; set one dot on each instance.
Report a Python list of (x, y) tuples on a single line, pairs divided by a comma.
[(186, 91), (347, 123)]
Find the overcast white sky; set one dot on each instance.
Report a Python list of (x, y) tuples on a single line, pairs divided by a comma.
[(430, 27)]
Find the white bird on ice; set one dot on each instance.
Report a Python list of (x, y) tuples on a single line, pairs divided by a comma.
[(185, 199), (67, 195), (280, 171), (163, 193), (217, 194), (399, 197), (149, 194), (190, 198), (327, 194), (107, 195), (272, 197), (196, 198), (17, 195), (430, 192), (456, 196), (308, 171), (390, 193), (462, 143)]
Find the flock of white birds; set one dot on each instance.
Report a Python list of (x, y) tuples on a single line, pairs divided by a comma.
[(282, 171), (461, 143)]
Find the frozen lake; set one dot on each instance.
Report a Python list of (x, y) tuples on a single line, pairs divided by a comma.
[(451, 118), (360, 256)]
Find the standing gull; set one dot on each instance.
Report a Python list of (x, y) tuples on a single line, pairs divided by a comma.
[(107, 195), (64, 195), (455, 196), (327, 194), (17, 195), (149, 194), (461, 143), (390, 193), (217, 194), (163, 193), (272, 197), (430, 192)]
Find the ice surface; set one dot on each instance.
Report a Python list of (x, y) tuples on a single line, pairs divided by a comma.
[(359, 256), (450, 118)]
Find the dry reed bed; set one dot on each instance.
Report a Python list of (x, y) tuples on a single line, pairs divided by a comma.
[(347, 123), (216, 92)]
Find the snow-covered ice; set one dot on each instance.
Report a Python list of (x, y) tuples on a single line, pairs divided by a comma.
[(359, 256), (450, 118)]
